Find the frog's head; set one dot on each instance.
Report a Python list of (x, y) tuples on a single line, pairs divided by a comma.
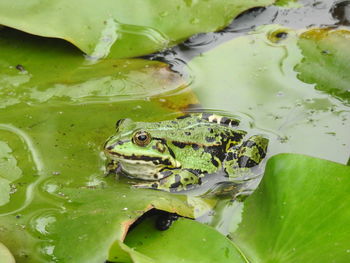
[(139, 152)]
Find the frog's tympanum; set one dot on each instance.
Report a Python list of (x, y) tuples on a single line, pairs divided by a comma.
[(175, 155)]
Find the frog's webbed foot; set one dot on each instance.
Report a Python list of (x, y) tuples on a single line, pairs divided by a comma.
[(177, 180), (147, 185)]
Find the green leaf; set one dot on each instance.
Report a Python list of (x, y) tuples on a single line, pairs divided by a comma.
[(326, 61), (35, 70), (256, 75), (100, 217), (299, 213), (288, 3), (122, 28), (57, 110), (185, 241)]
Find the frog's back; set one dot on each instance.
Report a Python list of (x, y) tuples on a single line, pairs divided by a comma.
[(204, 130)]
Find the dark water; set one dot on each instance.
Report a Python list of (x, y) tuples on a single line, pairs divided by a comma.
[(311, 13)]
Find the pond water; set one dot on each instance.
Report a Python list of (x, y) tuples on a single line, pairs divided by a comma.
[(286, 115)]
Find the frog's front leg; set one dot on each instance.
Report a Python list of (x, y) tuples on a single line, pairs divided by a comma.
[(175, 180), (113, 167)]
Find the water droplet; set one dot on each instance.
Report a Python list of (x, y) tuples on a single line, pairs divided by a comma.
[(40, 223), (50, 188), (48, 249)]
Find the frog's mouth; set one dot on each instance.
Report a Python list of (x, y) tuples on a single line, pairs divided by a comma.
[(143, 158), (142, 167)]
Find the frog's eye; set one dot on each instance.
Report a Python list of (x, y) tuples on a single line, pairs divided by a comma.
[(142, 138)]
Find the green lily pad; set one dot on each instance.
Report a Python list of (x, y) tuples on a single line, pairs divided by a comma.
[(57, 110), (185, 241), (119, 28), (288, 3), (326, 61), (299, 213), (100, 217), (269, 75)]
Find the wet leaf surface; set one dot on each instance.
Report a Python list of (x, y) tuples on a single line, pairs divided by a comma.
[(121, 29), (57, 110)]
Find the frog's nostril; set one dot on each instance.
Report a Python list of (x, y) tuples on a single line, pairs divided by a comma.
[(109, 148)]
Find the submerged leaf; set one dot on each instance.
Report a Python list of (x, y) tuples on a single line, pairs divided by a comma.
[(256, 74), (33, 70)]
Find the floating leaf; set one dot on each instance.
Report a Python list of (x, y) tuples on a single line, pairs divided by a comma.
[(57, 110), (119, 28), (299, 213), (34, 70), (326, 61), (185, 241)]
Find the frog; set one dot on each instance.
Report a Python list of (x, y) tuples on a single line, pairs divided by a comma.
[(175, 155)]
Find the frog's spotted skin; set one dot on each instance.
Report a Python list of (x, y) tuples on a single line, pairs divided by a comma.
[(174, 155)]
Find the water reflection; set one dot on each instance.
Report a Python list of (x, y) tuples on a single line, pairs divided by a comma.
[(341, 12), (310, 13)]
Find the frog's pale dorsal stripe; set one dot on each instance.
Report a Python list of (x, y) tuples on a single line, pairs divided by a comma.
[(220, 119)]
